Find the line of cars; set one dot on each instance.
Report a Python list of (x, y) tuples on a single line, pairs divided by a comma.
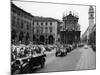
[(28, 58), (64, 49)]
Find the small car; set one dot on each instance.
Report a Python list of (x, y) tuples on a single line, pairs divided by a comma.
[(61, 52), (74, 46), (80, 45), (69, 48), (93, 47), (28, 64), (85, 47), (48, 49)]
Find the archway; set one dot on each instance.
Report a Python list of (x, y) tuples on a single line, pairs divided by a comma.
[(34, 39), (21, 36), (70, 40), (51, 39), (42, 39), (27, 38), (13, 35)]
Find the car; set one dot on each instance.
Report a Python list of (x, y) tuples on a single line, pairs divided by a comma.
[(61, 52), (93, 47), (74, 46), (28, 64), (16, 66), (48, 49), (80, 45), (34, 63), (69, 48), (85, 47)]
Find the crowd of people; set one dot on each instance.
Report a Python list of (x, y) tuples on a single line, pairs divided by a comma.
[(21, 50)]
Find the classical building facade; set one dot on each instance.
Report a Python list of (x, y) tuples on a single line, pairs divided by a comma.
[(70, 32), (21, 22), (44, 30), (26, 27)]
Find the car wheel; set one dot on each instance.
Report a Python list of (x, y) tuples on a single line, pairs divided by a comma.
[(42, 62), (26, 69), (56, 54), (42, 65)]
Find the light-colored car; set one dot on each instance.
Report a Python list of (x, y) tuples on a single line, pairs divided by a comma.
[(85, 46)]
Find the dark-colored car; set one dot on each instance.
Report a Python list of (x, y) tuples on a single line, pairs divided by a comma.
[(69, 48), (48, 49), (81, 45), (61, 52), (74, 46), (28, 64), (93, 47)]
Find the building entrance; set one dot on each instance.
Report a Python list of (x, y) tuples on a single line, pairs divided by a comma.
[(42, 39), (51, 39), (21, 36), (13, 36)]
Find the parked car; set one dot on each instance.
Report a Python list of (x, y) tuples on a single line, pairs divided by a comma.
[(74, 46), (27, 64), (69, 48), (93, 47), (32, 60), (48, 49), (80, 45), (85, 47), (61, 52)]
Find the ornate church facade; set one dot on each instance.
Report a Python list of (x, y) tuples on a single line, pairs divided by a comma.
[(71, 29)]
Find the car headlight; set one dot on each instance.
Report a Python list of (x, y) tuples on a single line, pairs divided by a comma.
[(19, 62)]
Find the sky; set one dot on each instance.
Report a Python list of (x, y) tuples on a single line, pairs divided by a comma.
[(56, 11)]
